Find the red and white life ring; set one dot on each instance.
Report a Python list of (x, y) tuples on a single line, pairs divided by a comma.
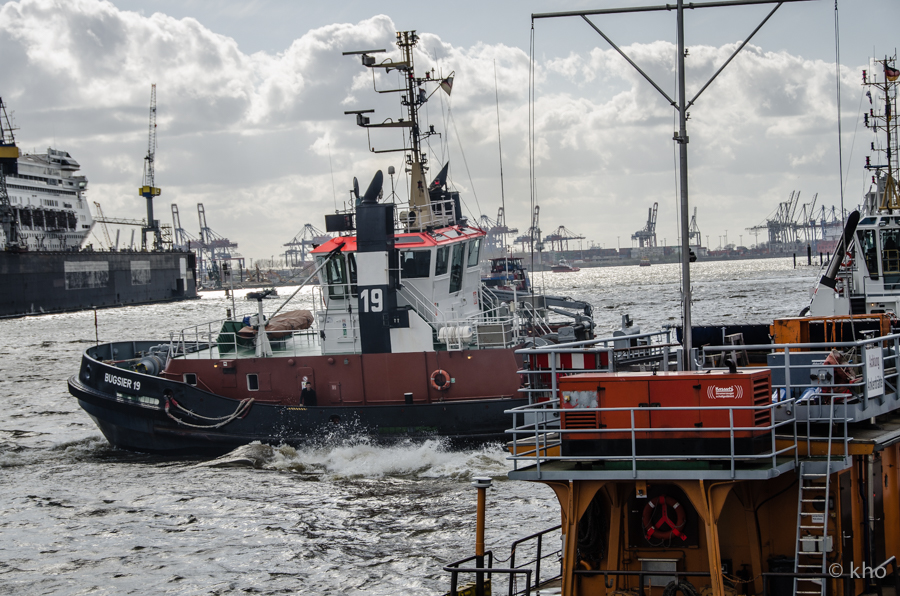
[(440, 380), (656, 520)]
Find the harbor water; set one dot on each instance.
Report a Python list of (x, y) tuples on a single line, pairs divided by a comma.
[(342, 516)]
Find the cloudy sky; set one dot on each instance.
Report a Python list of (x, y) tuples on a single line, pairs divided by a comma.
[(251, 98)]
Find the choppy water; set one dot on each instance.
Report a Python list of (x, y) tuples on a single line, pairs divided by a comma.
[(78, 517)]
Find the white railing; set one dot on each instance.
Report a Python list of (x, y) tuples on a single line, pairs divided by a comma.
[(800, 374), (219, 339), (491, 328), (538, 434), (643, 351)]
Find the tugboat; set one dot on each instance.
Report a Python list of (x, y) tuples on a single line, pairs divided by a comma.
[(405, 342), (509, 274), (867, 280), (699, 474), (564, 267)]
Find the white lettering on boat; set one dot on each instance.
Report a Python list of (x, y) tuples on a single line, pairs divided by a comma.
[(730, 392), (122, 382)]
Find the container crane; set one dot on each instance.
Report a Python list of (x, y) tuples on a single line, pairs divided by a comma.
[(213, 249), (182, 239), (148, 189), (646, 237), (694, 232), (531, 239), (497, 230), (298, 248), (559, 239)]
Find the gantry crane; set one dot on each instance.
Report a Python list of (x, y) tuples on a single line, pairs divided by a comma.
[(531, 239), (298, 248), (497, 230), (694, 232), (646, 237), (148, 189), (559, 239), (182, 239), (214, 249)]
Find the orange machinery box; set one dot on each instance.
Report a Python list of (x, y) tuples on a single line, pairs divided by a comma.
[(705, 397)]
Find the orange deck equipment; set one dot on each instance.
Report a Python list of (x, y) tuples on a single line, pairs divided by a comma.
[(710, 400)]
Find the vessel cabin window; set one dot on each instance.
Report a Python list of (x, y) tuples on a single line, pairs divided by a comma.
[(866, 240), (890, 256), (474, 249), (351, 266), (443, 259), (456, 268), (334, 276), (415, 263), (253, 382)]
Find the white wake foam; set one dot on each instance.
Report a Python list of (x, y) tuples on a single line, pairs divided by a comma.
[(360, 458)]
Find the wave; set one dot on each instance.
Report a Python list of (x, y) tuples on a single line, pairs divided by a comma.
[(359, 457)]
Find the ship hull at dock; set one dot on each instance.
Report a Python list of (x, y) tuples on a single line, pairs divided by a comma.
[(156, 414), (46, 282)]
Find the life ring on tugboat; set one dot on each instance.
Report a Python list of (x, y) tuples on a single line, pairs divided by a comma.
[(440, 380), (655, 528), (847, 263)]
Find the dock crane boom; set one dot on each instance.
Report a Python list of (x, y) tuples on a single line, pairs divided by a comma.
[(101, 219), (148, 189), (9, 159)]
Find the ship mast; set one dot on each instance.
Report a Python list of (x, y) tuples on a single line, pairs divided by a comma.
[(9, 160), (884, 172), (681, 105), (423, 213)]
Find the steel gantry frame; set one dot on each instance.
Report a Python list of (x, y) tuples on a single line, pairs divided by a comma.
[(681, 105)]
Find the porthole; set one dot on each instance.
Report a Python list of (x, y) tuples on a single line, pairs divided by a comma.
[(190, 379)]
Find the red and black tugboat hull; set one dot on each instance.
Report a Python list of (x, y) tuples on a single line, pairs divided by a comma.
[(148, 413)]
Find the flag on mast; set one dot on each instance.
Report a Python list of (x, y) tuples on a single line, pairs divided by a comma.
[(447, 84)]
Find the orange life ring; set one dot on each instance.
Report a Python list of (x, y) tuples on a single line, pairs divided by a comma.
[(440, 380), (664, 527)]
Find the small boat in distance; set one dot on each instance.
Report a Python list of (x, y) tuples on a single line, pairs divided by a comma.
[(507, 273), (268, 294), (645, 262), (564, 267)]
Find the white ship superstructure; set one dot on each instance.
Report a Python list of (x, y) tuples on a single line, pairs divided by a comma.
[(49, 203)]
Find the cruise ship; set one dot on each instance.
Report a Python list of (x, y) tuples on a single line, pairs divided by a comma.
[(48, 202)]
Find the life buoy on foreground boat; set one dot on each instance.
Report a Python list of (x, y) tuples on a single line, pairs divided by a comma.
[(663, 518), (440, 380)]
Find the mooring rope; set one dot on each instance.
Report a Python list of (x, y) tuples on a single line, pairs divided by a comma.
[(242, 408)]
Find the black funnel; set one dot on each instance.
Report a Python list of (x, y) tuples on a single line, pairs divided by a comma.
[(374, 189), (438, 184)]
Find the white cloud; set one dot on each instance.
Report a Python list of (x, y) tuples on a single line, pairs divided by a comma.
[(248, 132)]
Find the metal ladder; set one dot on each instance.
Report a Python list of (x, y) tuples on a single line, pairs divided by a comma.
[(812, 526)]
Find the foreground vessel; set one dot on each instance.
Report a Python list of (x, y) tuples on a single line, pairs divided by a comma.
[(753, 467), (403, 341), (44, 224)]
